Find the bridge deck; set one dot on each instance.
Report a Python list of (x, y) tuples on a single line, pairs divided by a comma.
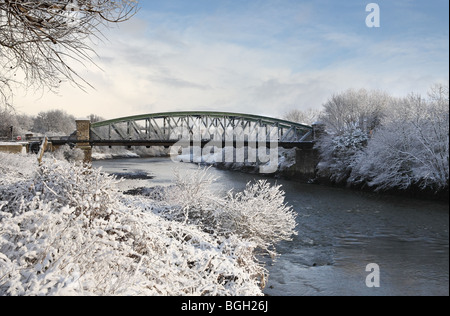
[(169, 143)]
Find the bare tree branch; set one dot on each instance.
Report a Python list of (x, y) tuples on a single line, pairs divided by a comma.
[(41, 39)]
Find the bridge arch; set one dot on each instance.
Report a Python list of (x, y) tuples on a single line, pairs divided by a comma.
[(166, 129)]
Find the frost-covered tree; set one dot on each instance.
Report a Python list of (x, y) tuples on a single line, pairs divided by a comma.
[(411, 147), (354, 109), (308, 117), (54, 122), (20, 123), (339, 154), (41, 40), (24, 123), (349, 117), (7, 119)]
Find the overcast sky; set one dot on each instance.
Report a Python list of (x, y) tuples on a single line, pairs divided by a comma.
[(256, 56)]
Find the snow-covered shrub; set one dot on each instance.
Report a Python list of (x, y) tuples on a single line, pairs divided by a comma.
[(12, 166), (75, 185), (386, 164), (258, 214), (15, 174), (339, 153), (192, 199), (349, 118), (65, 230), (69, 154), (49, 251)]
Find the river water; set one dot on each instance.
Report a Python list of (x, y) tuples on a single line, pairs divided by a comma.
[(340, 232)]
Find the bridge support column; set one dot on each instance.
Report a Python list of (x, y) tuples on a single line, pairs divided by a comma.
[(83, 139), (306, 162)]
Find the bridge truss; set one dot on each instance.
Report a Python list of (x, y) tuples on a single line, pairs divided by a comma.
[(167, 129)]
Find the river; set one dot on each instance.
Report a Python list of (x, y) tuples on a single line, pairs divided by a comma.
[(340, 232)]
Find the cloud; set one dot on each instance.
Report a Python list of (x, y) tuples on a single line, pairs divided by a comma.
[(266, 61)]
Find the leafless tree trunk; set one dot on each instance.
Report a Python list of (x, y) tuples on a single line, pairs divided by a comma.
[(39, 40)]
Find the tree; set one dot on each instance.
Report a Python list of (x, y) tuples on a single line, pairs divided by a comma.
[(303, 117), (94, 118), (411, 148), (25, 123), (7, 120), (55, 122), (21, 123), (353, 109), (350, 117), (39, 40), (339, 153)]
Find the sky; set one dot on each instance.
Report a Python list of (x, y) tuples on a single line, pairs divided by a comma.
[(257, 56)]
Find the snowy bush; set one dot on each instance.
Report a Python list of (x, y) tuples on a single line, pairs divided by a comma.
[(349, 118), (65, 230), (411, 148), (339, 153), (69, 154), (192, 200), (74, 185), (399, 144), (132, 253), (258, 214)]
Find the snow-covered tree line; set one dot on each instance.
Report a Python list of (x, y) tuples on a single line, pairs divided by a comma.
[(66, 230), (50, 123), (386, 142)]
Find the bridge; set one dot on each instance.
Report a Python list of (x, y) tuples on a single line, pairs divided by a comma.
[(212, 128), (254, 138)]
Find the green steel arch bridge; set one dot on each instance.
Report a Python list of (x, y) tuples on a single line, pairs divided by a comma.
[(200, 128)]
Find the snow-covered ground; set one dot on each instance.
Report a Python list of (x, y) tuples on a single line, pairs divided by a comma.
[(123, 154), (66, 230), (102, 153), (284, 159)]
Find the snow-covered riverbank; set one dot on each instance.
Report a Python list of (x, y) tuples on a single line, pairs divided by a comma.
[(66, 230)]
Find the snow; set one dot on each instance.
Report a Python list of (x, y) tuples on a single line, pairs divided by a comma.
[(284, 160), (102, 153), (66, 230), (123, 154), (410, 148)]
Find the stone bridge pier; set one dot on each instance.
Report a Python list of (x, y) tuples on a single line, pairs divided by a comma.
[(83, 139), (307, 159)]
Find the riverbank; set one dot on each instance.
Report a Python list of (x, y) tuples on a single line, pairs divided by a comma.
[(413, 192), (287, 170), (340, 231), (67, 230)]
